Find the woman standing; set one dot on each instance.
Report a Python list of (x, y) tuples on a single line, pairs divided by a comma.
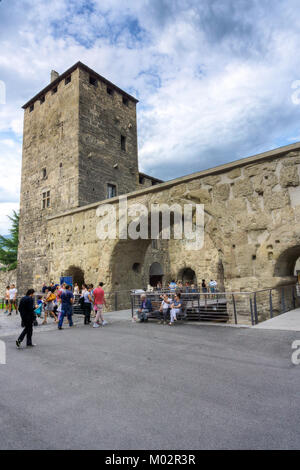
[(87, 303), (204, 286)]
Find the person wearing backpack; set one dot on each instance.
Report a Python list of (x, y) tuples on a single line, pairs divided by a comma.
[(49, 308)]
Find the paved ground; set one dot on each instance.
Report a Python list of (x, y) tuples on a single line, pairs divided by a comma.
[(289, 321), (148, 386)]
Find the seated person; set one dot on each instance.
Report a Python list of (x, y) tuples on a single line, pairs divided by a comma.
[(145, 308), (164, 309), (175, 308)]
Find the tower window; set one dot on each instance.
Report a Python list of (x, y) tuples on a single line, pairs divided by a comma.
[(31, 108), (141, 179), (111, 191), (93, 81), (54, 90), (110, 91), (154, 244), (67, 80), (125, 100), (42, 99), (44, 172), (123, 142), (46, 199)]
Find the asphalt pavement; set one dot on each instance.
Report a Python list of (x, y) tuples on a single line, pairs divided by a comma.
[(149, 386)]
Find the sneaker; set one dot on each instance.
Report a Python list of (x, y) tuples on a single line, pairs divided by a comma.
[(104, 323), (95, 325), (60, 328), (31, 345), (18, 343)]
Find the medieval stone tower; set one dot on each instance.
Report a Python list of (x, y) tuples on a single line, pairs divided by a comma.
[(79, 147)]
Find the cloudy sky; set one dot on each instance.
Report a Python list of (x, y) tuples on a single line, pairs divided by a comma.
[(214, 77)]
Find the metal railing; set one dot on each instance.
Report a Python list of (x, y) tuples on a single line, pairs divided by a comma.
[(225, 307), (229, 307)]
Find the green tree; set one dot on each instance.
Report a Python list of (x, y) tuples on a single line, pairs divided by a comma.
[(9, 245)]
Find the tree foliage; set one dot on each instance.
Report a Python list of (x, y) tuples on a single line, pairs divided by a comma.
[(9, 245)]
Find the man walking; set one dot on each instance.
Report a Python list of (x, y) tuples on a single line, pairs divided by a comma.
[(26, 309), (66, 299), (99, 300)]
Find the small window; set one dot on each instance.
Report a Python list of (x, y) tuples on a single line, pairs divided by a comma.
[(93, 81), (42, 99), (44, 171), (111, 191), (110, 91), (141, 179), (31, 108), (123, 142), (153, 182), (54, 90), (125, 100), (46, 199), (68, 80)]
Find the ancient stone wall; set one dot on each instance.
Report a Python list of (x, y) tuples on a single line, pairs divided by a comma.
[(252, 218)]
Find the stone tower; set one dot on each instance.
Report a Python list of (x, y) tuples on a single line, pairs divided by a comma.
[(79, 147)]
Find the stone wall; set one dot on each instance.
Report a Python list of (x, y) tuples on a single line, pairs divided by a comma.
[(7, 278), (252, 229)]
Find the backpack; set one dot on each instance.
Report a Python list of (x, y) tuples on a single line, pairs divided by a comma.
[(81, 302), (51, 297)]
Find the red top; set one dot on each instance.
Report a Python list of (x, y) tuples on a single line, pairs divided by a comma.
[(98, 294)]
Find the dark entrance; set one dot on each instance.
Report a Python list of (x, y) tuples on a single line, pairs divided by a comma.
[(76, 273), (156, 274)]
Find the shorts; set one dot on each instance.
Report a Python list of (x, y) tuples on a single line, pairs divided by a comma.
[(49, 307)]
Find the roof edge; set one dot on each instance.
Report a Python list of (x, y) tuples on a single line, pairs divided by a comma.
[(68, 72), (183, 179)]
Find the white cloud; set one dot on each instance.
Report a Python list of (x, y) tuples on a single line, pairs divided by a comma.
[(213, 77)]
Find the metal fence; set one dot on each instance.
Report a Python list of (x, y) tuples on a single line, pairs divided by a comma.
[(225, 307), (229, 307)]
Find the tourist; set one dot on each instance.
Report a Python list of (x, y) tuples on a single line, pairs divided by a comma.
[(44, 287), (193, 289), (164, 309), (172, 285), (12, 299), (76, 289), (204, 286), (175, 308), (66, 300), (87, 304), (26, 309), (159, 286), (49, 299), (7, 299), (144, 309), (213, 286), (99, 301)]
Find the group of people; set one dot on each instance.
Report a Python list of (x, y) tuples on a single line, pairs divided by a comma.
[(189, 287), (169, 308), (11, 301), (57, 301)]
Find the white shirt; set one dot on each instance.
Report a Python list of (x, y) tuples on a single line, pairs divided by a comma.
[(12, 293), (166, 305)]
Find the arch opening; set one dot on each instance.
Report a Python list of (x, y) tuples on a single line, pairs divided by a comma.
[(156, 274), (187, 275), (288, 263), (76, 273)]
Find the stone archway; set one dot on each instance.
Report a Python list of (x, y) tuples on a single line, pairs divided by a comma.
[(187, 275), (76, 273), (286, 262), (156, 274)]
